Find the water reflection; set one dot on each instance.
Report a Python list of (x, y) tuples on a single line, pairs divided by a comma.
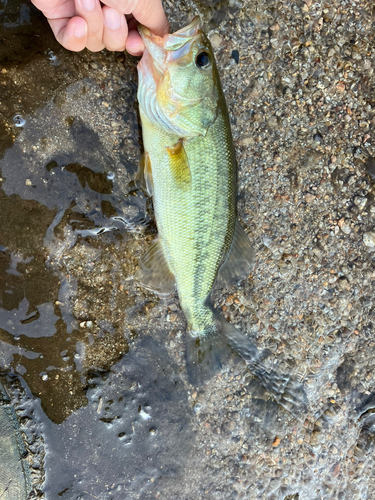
[(66, 215)]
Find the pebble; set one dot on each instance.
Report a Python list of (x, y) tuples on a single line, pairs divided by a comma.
[(28, 182), (216, 40), (309, 197), (272, 121), (340, 87), (360, 201), (369, 239), (345, 228)]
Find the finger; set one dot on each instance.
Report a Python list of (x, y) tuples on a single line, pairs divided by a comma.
[(147, 12), (152, 15), (71, 33), (134, 43), (56, 9), (91, 12), (115, 29)]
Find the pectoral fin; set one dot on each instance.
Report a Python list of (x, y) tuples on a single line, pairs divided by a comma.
[(144, 175), (153, 271), (239, 260), (179, 164)]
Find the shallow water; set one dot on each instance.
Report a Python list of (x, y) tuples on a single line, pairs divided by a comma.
[(97, 377)]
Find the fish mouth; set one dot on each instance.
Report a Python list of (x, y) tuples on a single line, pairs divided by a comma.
[(187, 32), (171, 46)]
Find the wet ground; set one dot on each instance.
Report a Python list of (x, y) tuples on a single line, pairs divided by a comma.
[(94, 396)]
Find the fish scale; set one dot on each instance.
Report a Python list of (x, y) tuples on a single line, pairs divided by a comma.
[(195, 225)]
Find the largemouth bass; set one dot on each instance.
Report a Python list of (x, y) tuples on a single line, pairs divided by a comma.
[(189, 168)]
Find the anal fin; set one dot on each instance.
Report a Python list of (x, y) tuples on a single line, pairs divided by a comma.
[(239, 260), (153, 271), (144, 175)]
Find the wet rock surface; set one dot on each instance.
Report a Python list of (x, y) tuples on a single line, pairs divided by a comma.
[(95, 364)]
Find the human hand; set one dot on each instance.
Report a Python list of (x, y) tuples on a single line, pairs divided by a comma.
[(77, 24)]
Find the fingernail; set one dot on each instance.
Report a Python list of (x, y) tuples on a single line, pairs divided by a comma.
[(112, 19), (88, 4), (80, 29)]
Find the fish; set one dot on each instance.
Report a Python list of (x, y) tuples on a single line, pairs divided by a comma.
[(189, 168)]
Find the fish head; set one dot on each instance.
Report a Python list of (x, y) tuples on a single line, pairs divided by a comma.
[(179, 85)]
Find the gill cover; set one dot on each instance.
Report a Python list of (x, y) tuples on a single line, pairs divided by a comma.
[(178, 81)]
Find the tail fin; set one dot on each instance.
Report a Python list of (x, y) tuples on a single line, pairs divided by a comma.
[(208, 351)]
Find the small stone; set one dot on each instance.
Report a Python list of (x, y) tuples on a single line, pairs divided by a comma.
[(331, 52), (346, 229), (276, 442), (272, 121), (229, 300), (360, 201), (258, 117), (235, 55), (309, 198), (275, 27), (246, 141), (216, 40), (344, 226), (369, 239), (340, 87), (366, 138), (28, 182), (172, 318), (366, 64), (89, 324)]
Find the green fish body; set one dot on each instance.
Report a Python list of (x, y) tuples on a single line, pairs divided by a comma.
[(189, 168)]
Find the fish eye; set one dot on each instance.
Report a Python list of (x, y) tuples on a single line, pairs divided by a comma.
[(202, 60)]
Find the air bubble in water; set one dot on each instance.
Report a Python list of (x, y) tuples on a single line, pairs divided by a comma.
[(52, 57), (19, 120), (198, 407)]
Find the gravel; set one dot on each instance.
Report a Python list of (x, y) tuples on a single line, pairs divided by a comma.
[(301, 101)]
